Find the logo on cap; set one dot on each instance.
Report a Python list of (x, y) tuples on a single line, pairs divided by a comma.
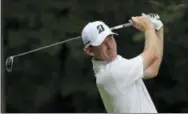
[(100, 28)]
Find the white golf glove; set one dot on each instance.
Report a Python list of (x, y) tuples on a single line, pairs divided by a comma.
[(155, 19)]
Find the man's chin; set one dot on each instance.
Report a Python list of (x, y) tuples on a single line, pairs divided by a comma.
[(112, 58)]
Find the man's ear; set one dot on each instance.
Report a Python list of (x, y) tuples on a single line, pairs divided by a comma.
[(89, 51)]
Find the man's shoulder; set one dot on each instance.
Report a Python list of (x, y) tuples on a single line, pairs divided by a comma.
[(118, 61)]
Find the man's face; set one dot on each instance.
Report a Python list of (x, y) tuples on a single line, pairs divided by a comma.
[(107, 51)]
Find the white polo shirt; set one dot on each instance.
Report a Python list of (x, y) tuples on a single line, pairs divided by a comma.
[(121, 87)]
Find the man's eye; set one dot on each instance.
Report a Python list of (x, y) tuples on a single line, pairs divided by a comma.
[(111, 38)]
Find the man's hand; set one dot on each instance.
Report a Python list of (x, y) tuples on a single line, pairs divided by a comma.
[(142, 23), (155, 19)]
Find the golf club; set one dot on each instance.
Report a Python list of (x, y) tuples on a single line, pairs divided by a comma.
[(10, 60)]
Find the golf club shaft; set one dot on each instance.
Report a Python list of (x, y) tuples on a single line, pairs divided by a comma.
[(61, 42), (44, 47)]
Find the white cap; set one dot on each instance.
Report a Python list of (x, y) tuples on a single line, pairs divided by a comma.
[(94, 33)]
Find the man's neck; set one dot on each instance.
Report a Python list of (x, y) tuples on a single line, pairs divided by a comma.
[(97, 59)]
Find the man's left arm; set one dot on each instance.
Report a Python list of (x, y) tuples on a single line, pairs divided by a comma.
[(154, 68)]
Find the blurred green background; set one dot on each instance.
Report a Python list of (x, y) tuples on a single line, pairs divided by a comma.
[(60, 79)]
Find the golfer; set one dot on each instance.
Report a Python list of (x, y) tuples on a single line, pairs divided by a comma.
[(120, 80)]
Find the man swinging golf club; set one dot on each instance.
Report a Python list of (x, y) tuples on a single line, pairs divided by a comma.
[(119, 80)]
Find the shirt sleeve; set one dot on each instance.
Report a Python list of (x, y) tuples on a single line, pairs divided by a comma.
[(126, 72)]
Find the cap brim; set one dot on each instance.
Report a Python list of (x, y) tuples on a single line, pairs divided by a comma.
[(102, 37)]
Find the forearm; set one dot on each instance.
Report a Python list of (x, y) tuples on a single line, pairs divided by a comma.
[(150, 41), (156, 65), (160, 35), (160, 42), (150, 50)]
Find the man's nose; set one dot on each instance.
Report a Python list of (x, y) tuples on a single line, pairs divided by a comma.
[(109, 45)]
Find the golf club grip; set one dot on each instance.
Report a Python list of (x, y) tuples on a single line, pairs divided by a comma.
[(122, 26)]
